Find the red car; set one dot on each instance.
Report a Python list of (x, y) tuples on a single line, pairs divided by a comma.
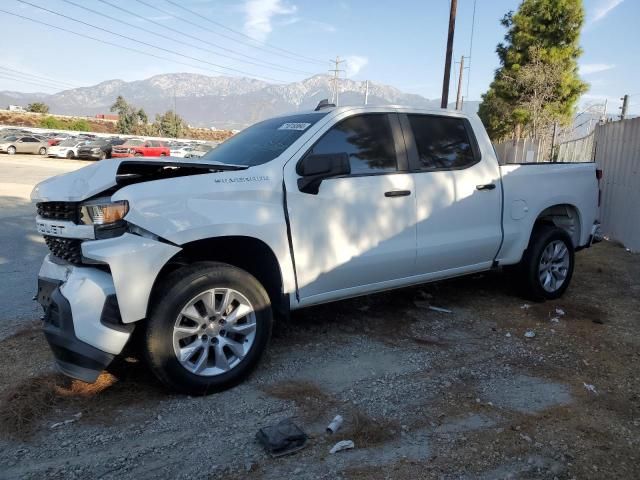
[(136, 147)]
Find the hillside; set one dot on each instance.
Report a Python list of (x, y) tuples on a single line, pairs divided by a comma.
[(223, 102)]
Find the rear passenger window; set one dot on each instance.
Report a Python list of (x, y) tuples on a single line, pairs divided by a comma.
[(368, 141), (442, 142)]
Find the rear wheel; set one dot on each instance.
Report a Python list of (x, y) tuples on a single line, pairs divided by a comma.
[(546, 267), (137, 154), (208, 329), (70, 154)]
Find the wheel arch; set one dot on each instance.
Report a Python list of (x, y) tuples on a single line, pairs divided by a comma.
[(563, 215), (248, 253)]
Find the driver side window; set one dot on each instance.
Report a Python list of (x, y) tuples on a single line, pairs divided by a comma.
[(368, 141)]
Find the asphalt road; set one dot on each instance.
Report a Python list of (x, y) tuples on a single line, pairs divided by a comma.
[(21, 247)]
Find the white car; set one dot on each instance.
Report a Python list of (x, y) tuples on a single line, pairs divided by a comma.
[(293, 211), (180, 152), (66, 149)]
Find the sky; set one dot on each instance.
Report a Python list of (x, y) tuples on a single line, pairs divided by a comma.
[(400, 43)]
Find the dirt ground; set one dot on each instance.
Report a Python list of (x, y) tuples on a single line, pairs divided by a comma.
[(424, 394)]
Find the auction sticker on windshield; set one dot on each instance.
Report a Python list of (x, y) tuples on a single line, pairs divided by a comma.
[(294, 126)]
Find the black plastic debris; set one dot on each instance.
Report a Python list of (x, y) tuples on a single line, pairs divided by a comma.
[(282, 439)]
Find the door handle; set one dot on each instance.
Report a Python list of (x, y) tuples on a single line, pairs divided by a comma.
[(397, 193), (488, 186)]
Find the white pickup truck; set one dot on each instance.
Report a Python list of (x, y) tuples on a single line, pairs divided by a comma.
[(196, 257)]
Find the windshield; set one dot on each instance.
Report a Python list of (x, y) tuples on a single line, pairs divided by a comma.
[(134, 143), (96, 143), (262, 142), (70, 142)]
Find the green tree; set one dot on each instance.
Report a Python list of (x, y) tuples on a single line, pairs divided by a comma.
[(130, 119), (38, 107), (169, 124), (537, 82)]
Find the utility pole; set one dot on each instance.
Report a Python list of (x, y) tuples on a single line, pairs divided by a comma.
[(175, 115), (623, 108), (336, 77), (366, 91), (459, 96), (447, 60)]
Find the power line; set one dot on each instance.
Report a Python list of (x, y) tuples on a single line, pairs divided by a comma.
[(106, 42), (288, 52), (33, 82), (258, 62), (50, 80), (173, 52)]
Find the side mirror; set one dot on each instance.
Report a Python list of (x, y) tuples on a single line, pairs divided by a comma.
[(315, 168)]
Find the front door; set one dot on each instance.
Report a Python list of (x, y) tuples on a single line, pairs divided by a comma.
[(358, 230)]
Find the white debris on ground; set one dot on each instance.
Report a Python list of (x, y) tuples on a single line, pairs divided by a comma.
[(590, 388), (75, 418), (526, 306), (560, 312), (342, 445), (529, 334), (439, 309), (335, 424)]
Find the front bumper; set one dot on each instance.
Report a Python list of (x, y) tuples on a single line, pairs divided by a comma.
[(90, 312), (89, 155), (80, 324)]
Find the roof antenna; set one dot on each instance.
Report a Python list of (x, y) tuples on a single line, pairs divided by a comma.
[(324, 104)]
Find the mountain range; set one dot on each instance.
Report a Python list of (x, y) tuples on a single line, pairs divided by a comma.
[(223, 102)]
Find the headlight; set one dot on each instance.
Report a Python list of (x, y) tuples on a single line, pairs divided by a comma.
[(95, 150), (103, 211)]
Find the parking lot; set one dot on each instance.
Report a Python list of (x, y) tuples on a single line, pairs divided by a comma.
[(460, 393)]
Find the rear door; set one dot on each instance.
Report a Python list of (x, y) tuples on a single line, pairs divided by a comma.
[(359, 230), (458, 196)]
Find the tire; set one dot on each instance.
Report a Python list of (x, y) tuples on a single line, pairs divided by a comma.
[(11, 150), (221, 367), (541, 278), (137, 154), (42, 151), (70, 155), (102, 156), (163, 154)]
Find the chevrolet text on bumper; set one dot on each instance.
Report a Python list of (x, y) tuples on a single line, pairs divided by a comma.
[(197, 256)]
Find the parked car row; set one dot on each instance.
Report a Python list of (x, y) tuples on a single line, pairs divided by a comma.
[(90, 147)]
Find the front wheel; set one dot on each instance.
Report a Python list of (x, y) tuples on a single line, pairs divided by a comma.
[(547, 265), (209, 326), (70, 155), (11, 150), (42, 151)]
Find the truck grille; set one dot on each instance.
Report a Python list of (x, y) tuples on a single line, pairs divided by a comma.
[(68, 249), (59, 211)]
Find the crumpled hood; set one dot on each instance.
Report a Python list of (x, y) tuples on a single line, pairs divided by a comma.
[(93, 179)]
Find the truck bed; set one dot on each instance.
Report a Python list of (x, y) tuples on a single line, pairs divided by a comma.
[(528, 187)]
